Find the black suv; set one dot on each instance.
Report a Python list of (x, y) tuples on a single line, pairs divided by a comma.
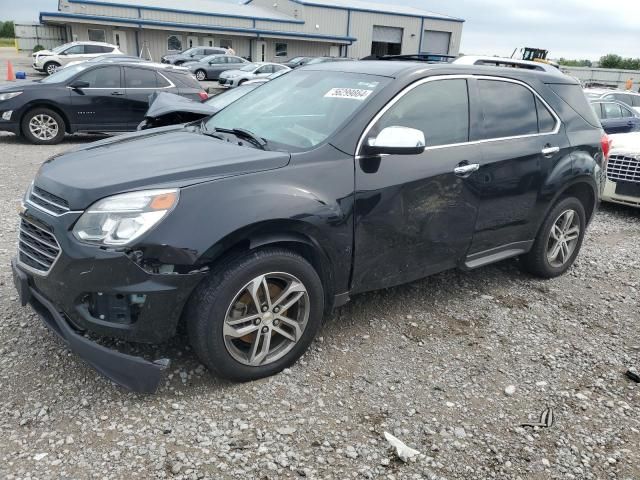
[(90, 97), (321, 184)]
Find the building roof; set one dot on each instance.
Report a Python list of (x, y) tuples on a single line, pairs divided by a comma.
[(201, 7), (376, 7)]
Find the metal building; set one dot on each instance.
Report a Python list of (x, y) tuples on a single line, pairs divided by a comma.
[(264, 30)]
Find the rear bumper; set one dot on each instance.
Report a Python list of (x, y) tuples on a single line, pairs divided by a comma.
[(133, 373)]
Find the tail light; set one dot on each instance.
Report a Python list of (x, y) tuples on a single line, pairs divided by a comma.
[(605, 143), (203, 95)]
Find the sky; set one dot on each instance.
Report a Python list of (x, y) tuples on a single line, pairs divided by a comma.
[(567, 28)]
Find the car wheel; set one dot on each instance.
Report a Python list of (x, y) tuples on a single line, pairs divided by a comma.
[(201, 75), (256, 314), (51, 68), (559, 240), (242, 81), (43, 126)]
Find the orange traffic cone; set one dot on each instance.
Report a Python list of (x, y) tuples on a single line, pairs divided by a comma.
[(11, 77)]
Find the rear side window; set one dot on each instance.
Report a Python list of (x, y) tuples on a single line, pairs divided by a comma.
[(140, 78), (624, 98), (103, 77), (184, 80), (439, 109), (573, 96), (546, 120), (161, 81), (509, 109), (597, 108)]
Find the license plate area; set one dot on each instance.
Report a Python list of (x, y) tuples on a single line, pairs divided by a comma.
[(629, 189)]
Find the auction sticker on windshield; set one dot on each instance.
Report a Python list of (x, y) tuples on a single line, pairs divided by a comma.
[(352, 93)]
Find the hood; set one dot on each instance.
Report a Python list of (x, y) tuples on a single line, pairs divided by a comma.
[(192, 63), (232, 73), (174, 56), (168, 103), (627, 143), (43, 52), (22, 86), (175, 156)]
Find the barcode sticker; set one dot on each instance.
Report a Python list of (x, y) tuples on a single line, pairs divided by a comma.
[(353, 93)]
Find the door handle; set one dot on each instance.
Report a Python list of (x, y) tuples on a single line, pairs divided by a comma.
[(466, 170), (117, 94), (549, 150)]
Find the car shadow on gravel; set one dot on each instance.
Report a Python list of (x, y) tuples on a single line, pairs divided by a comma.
[(77, 138)]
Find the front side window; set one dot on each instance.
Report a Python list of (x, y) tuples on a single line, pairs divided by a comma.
[(174, 43), (509, 109), (439, 109), (626, 113), (281, 49), (265, 69), (301, 109), (612, 110), (139, 78), (75, 50), (103, 77), (97, 35)]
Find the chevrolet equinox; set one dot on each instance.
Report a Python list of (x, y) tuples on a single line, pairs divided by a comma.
[(329, 181)]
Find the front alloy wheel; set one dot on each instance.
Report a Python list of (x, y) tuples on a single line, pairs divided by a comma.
[(266, 319), (200, 75), (255, 314), (563, 238), (51, 68)]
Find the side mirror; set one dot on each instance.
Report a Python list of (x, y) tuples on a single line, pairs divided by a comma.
[(79, 85), (396, 140)]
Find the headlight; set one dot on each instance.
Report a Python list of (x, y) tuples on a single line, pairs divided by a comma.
[(120, 219), (8, 96)]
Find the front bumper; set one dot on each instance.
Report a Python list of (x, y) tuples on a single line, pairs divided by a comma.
[(12, 127), (609, 195), (105, 292)]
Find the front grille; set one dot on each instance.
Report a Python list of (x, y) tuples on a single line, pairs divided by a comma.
[(48, 201), (623, 168), (37, 247)]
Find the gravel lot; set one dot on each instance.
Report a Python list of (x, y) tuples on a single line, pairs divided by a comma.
[(451, 365)]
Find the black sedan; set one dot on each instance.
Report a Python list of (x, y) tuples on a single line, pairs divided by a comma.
[(210, 68), (616, 117), (89, 97)]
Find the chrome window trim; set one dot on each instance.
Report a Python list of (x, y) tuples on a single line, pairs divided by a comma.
[(434, 78)]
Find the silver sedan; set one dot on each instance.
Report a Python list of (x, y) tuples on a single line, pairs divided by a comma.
[(233, 78)]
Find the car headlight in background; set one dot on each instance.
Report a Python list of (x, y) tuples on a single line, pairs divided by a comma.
[(120, 219), (9, 95)]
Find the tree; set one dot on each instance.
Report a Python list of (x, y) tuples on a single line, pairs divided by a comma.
[(616, 61), (574, 63), (7, 30)]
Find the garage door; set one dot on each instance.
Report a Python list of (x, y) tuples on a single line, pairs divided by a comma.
[(434, 41), (387, 34)]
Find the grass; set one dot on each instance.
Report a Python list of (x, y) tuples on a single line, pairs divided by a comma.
[(7, 42)]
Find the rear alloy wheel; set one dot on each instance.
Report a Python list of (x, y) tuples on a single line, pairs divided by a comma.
[(51, 68), (43, 126), (256, 314), (559, 240), (201, 75)]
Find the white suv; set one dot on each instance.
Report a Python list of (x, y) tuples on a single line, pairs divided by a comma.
[(623, 170), (49, 61)]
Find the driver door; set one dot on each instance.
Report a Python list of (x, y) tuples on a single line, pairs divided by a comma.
[(414, 216)]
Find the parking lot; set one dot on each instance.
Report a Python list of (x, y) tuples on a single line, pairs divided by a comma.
[(452, 365)]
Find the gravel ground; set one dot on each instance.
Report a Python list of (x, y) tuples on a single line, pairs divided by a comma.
[(451, 365)]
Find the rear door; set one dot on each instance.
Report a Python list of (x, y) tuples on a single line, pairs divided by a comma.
[(101, 106), (140, 84), (414, 215), (521, 141), (631, 120)]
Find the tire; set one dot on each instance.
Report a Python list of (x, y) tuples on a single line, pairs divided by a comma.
[(539, 260), (201, 75), (52, 126), (51, 67), (225, 297), (242, 81)]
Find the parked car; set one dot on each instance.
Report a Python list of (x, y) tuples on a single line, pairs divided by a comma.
[(170, 109), (251, 71), (261, 80), (109, 58), (296, 62), (628, 98), (193, 54), (210, 68), (616, 117), (48, 61), (90, 97), (319, 185), (317, 60), (623, 170)]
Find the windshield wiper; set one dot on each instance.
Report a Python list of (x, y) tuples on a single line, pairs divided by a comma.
[(205, 131), (247, 134)]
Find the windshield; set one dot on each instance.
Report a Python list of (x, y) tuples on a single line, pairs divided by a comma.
[(65, 73), (301, 109), (211, 58), (188, 51), (249, 68), (227, 98)]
